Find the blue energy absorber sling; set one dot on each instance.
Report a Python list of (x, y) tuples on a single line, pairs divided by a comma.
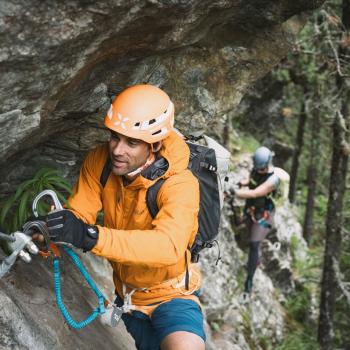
[(57, 282)]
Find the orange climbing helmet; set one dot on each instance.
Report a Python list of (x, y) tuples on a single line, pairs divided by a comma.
[(142, 112)]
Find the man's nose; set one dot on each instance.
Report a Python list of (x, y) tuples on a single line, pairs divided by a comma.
[(119, 148)]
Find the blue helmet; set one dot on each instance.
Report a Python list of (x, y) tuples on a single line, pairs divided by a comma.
[(262, 158)]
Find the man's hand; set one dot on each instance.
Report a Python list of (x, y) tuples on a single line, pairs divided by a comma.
[(240, 193), (64, 226), (243, 183)]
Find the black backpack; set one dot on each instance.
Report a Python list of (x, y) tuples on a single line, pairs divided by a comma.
[(203, 165)]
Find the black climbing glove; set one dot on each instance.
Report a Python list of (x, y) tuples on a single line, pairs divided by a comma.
[(64, 226)]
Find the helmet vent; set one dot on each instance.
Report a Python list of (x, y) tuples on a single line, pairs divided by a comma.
[(157, 132), (151, 121)]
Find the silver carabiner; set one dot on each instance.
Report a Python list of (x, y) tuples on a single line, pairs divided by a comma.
[(54, 197), (17, 245)]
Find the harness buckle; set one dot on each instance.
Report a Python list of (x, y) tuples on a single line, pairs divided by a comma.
[(112, 315)]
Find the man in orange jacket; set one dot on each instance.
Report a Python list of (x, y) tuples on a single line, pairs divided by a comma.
[(150, 257)]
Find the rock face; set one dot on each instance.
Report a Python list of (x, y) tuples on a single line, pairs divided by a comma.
[(63, 62), (30, 319)]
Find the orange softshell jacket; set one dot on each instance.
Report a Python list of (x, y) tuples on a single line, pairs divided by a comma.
[(147, 255)]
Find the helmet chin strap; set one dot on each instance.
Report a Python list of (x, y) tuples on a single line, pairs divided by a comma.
[(138, 171)]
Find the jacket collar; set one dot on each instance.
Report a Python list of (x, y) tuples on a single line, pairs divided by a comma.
[(172, 158)]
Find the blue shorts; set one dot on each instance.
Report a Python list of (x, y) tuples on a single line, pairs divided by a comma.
[(172, 316)]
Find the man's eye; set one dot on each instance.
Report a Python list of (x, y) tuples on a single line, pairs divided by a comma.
[(133, 142)]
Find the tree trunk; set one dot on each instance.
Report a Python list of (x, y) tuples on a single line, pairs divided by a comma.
[(333, 237), (297, 150), (312, 174), (335, 206)]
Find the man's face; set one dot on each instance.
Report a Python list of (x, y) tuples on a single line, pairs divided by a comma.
[(127, 154), (262, 170)]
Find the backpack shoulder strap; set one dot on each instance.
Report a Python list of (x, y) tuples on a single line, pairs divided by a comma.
[(151, 197), (105, 172)]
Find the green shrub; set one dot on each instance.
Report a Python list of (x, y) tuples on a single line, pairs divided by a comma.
[(309, 269), (16, 209), (298, 305)]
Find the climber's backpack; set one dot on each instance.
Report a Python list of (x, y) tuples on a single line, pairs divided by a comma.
[(281, 195), (209, 164)]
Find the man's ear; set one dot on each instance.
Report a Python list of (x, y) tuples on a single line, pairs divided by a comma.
[(156, 146)]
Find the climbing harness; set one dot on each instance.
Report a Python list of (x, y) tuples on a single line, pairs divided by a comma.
[(124, 298), (116, 312), (262, 221), (53, 251)]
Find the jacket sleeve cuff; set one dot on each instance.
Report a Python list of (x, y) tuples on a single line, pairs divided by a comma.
[(97, 249)]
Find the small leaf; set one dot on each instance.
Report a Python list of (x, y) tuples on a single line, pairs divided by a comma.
[(65, 187), (23, 208), (22, 187), (45, 172), (5, 209), (15, 225)]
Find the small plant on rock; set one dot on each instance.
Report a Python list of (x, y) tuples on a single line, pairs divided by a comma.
[(16, 208)]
